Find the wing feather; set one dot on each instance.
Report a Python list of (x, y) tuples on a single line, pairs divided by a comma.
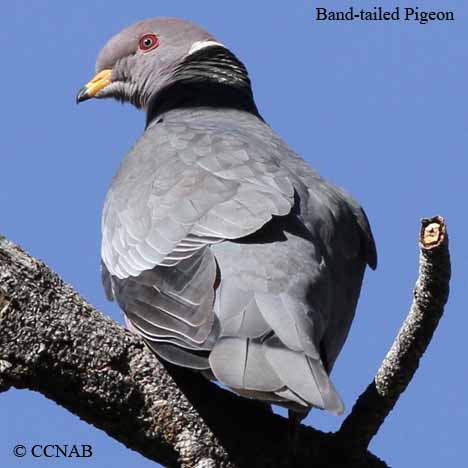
[(160, 210)]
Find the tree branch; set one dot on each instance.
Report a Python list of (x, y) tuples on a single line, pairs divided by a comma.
[(54, 342), (397, 369)]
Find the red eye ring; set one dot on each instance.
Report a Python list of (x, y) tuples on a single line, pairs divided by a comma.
[(148, 42)]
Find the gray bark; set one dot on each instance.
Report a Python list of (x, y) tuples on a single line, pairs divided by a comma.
[(429, 298), (52, 341)]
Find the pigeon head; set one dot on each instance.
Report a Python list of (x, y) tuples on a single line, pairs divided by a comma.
[(149, 56)]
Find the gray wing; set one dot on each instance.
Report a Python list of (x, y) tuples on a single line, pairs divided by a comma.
[(343, 227), (287, 310), (177, 192), (215, 209), (180, 189)]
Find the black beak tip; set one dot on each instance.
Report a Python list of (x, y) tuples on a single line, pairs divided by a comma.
[(82, 95)]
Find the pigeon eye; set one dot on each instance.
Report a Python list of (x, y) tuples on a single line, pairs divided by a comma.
[(148, 42)]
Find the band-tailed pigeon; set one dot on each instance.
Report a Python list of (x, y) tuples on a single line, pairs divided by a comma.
[(227, 253)]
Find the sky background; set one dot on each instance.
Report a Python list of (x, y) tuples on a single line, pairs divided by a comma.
[(378, 108)]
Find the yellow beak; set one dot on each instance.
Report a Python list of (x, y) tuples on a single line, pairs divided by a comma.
[(91, 88)]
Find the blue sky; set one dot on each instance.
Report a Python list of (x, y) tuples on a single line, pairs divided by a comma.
[(378, 108)]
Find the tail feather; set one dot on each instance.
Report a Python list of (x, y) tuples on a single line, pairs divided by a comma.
[(240, 363), (248, 366), (303, 375)]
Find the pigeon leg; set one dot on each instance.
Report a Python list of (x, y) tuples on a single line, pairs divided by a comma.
[(294, 419)]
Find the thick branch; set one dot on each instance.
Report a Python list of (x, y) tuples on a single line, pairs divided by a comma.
[(400, 364), (53, 342)]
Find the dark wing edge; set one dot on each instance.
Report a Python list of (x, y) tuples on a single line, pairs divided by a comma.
[(106, 282), (367, 238)]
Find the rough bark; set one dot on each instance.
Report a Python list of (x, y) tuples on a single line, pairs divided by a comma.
[(429, 297), (52, 341)]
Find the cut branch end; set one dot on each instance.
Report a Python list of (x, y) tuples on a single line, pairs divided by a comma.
[(432, 232)]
